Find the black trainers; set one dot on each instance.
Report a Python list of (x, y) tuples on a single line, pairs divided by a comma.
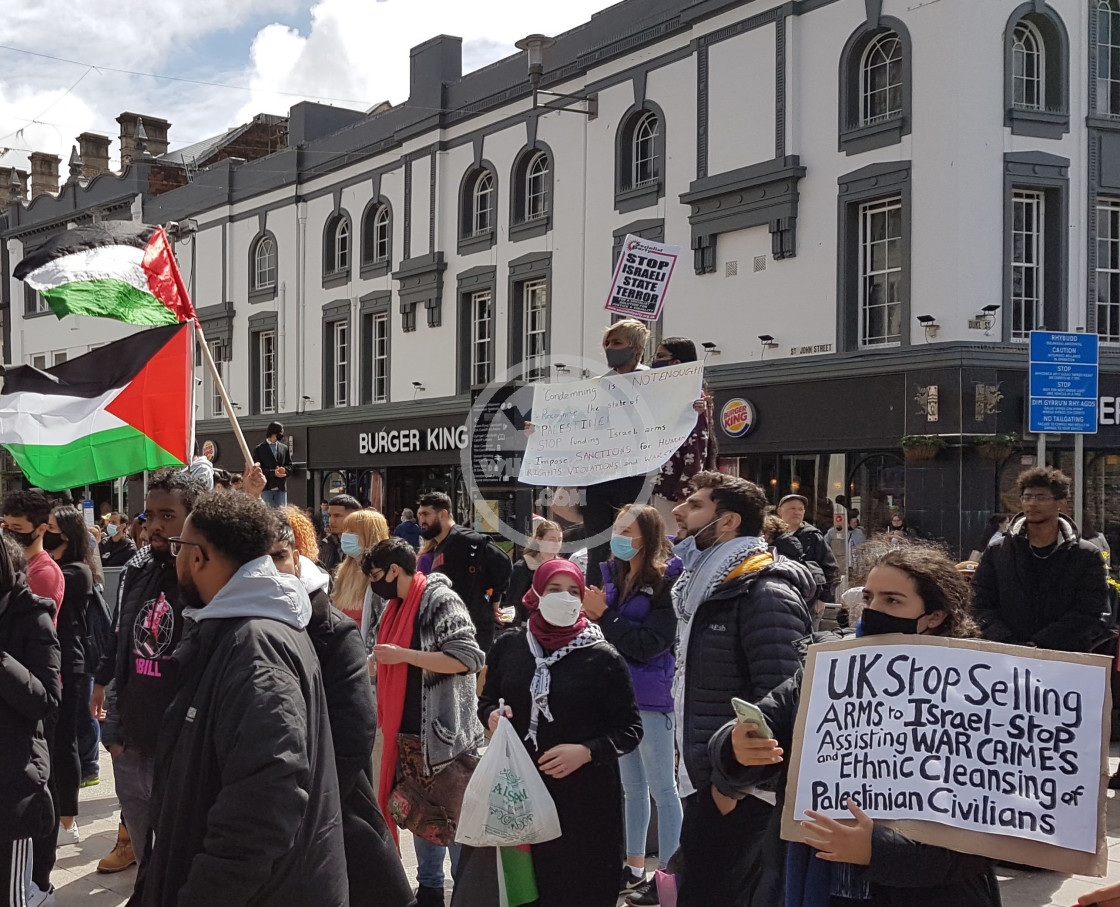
[(644, 895), (429, 897), (630, 880)]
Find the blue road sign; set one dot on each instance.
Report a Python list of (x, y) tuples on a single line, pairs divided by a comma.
[(1063, 382)]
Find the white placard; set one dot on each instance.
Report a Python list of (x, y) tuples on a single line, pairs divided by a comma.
[(587, 432), (641, 278), (986, 741)]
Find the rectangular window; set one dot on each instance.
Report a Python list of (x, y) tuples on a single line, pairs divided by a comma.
[(266, 352), (482, 337), (39, 362), (534, 321), (880, 272), (216, 406), (33, 301), (341, 367), (380, 364), (60, 357), (1108, 59), (1108, 270), (1027, 245)]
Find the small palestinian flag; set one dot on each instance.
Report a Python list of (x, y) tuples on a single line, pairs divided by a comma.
[(115, 269), (517, 882), (120, 409)]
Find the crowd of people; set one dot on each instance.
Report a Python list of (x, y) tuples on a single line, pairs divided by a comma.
[(284, 692)]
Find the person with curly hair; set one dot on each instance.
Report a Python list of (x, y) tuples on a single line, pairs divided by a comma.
[(913, 589), (245, 805)]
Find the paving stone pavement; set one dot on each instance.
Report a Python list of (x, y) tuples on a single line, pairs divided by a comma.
[(78, 884)]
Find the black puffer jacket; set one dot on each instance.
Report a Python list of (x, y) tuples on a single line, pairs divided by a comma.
[(374, 871), (1058, 602), (72, 626), (29, 691), (818, 551), (742, 642), (902, 873)]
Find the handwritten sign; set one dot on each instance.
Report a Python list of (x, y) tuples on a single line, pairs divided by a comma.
[(587, 432), (641, 278), (970, 744)]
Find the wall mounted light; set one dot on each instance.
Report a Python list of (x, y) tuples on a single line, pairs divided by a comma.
[(710, 349), (417, 388), (768, 343), (929, 325), (534, 47), (988, 317)]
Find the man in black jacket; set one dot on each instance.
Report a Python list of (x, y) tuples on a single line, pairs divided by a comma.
[(791, 509), (30, 690), (140, 662), (741, 609), (245, 803), (330, 549), (276, 460), (1041, 584), (116, 549), (478, 569)]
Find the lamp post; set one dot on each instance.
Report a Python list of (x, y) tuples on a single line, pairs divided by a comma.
[(534, 47)]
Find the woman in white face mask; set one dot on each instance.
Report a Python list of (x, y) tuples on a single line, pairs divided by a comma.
[(543, 547), (361, 530), (569, 696)]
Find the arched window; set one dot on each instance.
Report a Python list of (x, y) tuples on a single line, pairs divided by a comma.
[(264, 264), (645, 163), (336, 247), (881, 80), (536, 186), (482, 204), (377, 233), (342, 245), (1028, 67), (381, 234)]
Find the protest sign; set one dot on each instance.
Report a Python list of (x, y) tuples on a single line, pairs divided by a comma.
[(641, 278), (587, 432), (982, 748)]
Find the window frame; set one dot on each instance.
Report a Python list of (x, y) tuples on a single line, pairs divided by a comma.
[(334, 314), (340, 366), (1109, 203), (1052, 118), (35, 304), (472, 237), (214, 407), (532, 269), (377, 249), (523, 224), (869, 274), (1034, 202), (374, 310), (261, 329), (335, 272), (1103, 107), (481, 369), (628, 196), (854, 135), (259, 282), (868, 91)]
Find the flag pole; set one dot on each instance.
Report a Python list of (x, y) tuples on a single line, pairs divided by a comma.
[(212, 367)]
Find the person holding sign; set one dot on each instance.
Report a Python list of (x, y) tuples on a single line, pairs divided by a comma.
[(912, 589)]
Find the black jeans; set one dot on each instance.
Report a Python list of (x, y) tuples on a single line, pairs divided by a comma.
[(735, 860), (43, 848), (602, 503), (89, 731)]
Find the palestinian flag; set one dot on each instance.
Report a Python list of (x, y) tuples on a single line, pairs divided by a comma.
[(115, 411), (115, 269), (517, 882)]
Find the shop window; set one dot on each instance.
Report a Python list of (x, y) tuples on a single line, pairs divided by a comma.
[(875, 87), (1036, 80)]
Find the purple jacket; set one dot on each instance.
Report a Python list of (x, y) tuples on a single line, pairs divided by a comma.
[(643, 628)]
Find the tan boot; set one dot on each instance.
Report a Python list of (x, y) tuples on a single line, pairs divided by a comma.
[(121, 856)]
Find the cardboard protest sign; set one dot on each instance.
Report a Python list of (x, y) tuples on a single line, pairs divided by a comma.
[(641, 278), (587, 432), (979, 747)]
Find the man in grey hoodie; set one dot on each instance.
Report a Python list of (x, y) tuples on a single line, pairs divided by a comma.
[(245, 802)]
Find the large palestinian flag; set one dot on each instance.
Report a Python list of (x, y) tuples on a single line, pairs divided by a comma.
[(115, 411), (115, 269)]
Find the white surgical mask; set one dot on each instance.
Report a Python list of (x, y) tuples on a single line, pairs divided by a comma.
[(550, 548), (561, 609), (111, 530)]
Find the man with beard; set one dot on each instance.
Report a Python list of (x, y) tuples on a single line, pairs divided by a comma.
[(740, 609), (478, 569), (245, 804), (139, 664)]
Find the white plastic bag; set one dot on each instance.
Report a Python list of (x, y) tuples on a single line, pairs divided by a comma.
[(506, 801)]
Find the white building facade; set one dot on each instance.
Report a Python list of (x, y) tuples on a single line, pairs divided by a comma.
[(895, 194)]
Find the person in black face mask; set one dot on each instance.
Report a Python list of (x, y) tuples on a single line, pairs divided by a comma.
[(914, 589)]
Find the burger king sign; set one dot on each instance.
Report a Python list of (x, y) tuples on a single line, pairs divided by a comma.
[(737, 417)]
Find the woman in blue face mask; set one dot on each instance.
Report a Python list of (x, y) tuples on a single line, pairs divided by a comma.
[(912, 589), (635, 613), (361, 530)]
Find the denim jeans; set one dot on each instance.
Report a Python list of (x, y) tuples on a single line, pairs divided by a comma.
[(649, 770), (276, 497), (133, 771), (429, 862), (89, 731)]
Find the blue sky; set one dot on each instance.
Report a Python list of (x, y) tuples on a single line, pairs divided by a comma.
[(278, 50)]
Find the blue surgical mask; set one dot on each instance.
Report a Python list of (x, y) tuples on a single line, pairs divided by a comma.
[(690, 556), (623, 548), (111, 530), (350, 544)]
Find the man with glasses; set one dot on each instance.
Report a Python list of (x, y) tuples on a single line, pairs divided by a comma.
[(140, 664), (1041, 584)]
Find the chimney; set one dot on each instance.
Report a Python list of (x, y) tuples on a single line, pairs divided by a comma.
[(13, 184), (433, 64), (152, 131), (94, 152), (74, 165), (44, 173)]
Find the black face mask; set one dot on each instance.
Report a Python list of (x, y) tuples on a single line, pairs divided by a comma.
[(877, 623), (663, 363), (52, 540), (23, 539), (619, 358), (384, 588)]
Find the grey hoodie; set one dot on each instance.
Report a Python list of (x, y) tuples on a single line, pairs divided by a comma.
[(258, 589)]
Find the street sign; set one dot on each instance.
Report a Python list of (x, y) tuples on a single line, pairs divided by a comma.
[(1063, 382)]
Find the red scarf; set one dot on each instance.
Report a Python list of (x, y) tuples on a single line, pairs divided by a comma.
[(552, 638), (397, 626)]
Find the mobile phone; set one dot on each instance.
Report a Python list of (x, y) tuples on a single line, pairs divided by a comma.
[(749, 713)]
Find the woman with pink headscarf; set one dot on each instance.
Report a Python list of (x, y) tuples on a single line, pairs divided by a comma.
[(569, 696)]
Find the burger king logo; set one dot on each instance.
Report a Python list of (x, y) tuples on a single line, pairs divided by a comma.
[(209, 450), (737, 417)]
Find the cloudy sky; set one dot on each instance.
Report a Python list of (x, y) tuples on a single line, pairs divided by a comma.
[(67, 68)]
